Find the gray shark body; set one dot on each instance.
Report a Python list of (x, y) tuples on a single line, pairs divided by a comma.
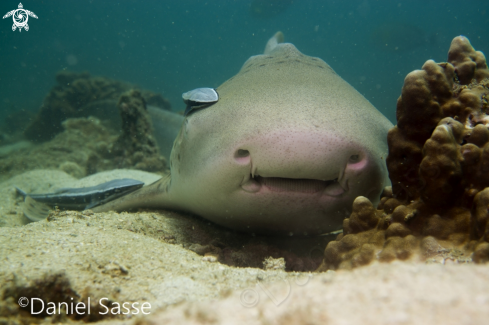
[(286, 149)]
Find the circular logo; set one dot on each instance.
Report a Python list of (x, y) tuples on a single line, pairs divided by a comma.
[(23, 302), (20, 16), (249, 298)]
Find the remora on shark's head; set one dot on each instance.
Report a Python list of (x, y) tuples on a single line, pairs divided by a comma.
[(285, 150)]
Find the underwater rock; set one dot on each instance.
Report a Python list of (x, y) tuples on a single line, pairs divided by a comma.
[(438, 162), (6, 150), (81, 149), (81, 95), (136, 147), (87, 146)]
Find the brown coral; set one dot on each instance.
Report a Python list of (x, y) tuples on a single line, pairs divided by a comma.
[(438, 162), (136, 147)]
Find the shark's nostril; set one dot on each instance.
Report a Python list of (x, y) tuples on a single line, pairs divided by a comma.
[(242, 153), (357, 162), (354, 159), (242, 156)]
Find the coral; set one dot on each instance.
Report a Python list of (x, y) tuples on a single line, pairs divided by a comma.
[(437, 209), (136, 147), (80, 95)]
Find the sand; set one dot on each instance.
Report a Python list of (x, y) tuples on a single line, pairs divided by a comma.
[(183, 267)]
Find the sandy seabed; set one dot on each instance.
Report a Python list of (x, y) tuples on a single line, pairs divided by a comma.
[(145, 257)]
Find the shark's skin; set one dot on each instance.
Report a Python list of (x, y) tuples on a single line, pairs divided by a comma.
[(258, 159)]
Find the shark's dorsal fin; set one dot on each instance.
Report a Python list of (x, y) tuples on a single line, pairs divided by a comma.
[(273, 42)]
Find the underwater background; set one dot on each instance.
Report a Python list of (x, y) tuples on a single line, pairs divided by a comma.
[(173, 46), (435, 217)]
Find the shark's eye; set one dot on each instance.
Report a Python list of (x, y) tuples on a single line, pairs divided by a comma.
[(199, 98)]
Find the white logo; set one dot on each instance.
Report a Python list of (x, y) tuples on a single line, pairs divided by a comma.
[(20, 17), (23, 301)]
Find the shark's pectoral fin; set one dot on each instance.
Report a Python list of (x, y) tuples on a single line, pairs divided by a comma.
[(273, 42), (155, 195)]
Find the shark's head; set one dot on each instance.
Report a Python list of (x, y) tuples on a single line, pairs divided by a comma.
[(285, 150)]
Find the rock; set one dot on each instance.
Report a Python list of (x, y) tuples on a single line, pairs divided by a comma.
[(81, 95)]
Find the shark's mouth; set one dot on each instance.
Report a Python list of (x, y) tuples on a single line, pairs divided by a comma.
[(279, 184)]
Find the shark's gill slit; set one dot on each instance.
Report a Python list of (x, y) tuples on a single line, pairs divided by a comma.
[(279, 184)]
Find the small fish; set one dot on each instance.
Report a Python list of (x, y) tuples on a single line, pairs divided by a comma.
[(37, 206)]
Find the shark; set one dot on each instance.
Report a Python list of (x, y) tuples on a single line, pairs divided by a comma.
[(285, 150)]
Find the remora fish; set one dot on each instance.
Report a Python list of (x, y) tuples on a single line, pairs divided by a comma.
[(285, 150), (37, 206)]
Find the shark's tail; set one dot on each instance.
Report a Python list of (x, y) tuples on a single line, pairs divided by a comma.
[(274, 41)]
